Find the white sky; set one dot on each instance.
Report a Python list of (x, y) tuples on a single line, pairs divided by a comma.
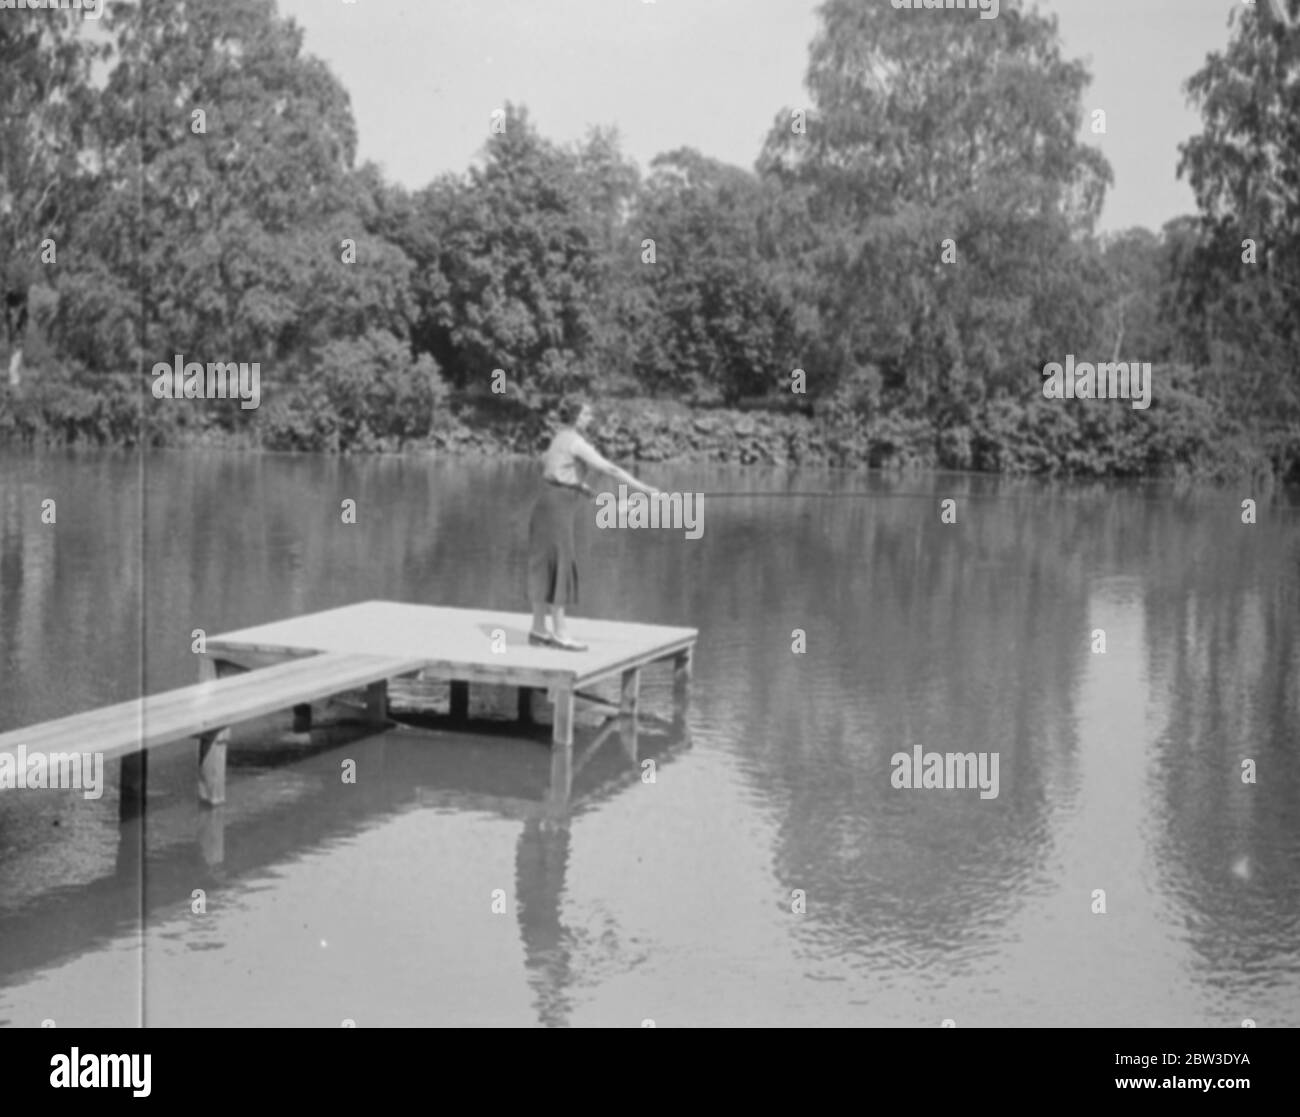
[(424, 75)]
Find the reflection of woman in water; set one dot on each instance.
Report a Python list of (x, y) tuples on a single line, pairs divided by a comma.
[(541, 862), (552, 558)]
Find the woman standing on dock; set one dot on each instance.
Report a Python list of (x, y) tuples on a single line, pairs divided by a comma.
[(552, 556)]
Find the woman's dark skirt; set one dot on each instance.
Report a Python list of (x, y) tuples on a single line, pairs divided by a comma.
[(552, 557)]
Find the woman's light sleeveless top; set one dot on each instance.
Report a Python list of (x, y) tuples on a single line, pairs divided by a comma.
[(562, 462)]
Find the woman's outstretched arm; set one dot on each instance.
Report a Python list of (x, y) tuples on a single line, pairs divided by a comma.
[(588, 454)]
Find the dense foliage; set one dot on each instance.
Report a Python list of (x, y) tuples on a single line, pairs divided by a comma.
[(910, 249)]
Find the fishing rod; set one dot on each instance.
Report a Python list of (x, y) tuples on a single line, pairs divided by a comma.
[(832, 494), (858, 494)]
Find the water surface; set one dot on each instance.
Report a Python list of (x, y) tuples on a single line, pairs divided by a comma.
[(672, 901)]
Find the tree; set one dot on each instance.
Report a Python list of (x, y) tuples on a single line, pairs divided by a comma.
[(508, 266), (225, 191), (1134, 263), (718, 326), (1243, 168), (46, 100), (609, 184), (947, 132)]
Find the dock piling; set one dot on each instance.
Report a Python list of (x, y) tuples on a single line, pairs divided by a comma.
[(212, 767), (459, 701), (525, 705), (212, 836), (631, 690), (682, 679), (627, 736), (377, 703), (132, 785), (561, 786), (562, 717), (212, 746)]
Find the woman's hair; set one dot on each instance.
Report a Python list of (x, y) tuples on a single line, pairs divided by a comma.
[(570, 409)]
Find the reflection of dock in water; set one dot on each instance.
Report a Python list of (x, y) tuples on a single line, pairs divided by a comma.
[(301, 804), (601, 763)]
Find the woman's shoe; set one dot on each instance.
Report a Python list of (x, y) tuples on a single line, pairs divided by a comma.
[(541, 639), (567, 644)]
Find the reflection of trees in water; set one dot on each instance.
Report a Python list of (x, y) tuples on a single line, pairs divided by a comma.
[(70, 592), (232, 540), (246, 539), (959, 638), (1221, 625)]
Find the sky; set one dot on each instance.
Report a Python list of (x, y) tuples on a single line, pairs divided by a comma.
[(425, 75)]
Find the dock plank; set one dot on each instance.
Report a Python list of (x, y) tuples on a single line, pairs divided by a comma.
[(191, 711)]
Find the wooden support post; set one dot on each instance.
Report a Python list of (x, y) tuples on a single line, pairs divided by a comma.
[(459, 701), (682, 680), (631, 690), (562, 717), (302, 718), (212, 836), (525, 705), (133, 785), (377, 703), (129, 865), (562, 771), (627, 735), (212, 746), (212, 767)]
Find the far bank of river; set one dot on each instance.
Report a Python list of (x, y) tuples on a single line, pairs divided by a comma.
[(1041, 442), (1179, 438)]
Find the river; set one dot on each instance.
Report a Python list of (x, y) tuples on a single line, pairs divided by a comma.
[(772, 874)]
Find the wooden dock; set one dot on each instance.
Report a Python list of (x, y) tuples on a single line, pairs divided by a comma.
[(291, 663), (465, 646)]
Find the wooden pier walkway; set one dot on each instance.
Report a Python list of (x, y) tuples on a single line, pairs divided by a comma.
[(258, 671), (464, 646)]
